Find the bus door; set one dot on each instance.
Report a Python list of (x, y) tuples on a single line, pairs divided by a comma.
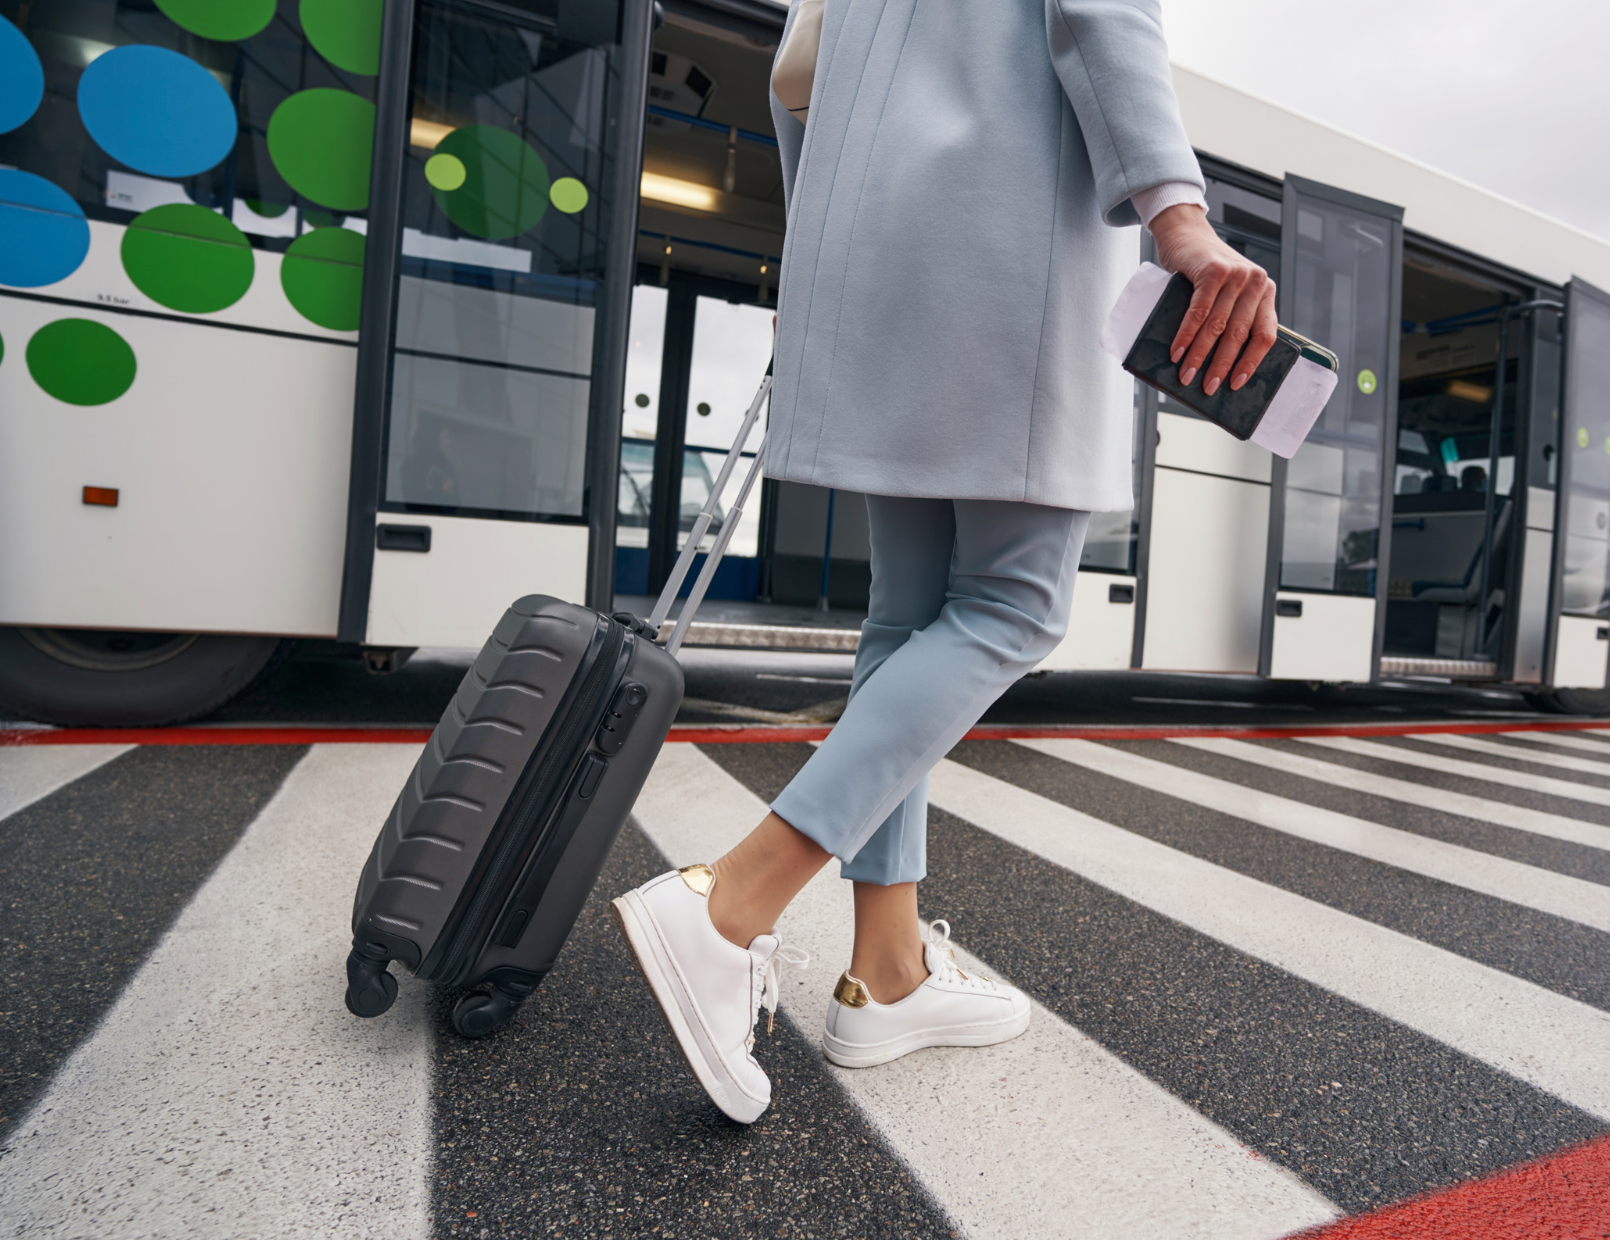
[(496, 299), (1581, 596), (1325, 576)]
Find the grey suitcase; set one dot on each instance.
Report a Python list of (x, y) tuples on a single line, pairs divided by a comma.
[(498, 836)]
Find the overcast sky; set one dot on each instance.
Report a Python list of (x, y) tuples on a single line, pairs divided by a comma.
[(1514, 96)]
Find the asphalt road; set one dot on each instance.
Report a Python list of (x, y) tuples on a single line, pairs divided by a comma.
[(1277, 982)]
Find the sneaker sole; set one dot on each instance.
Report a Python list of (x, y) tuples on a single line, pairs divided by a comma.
[(849, 1055), (678, 1010)]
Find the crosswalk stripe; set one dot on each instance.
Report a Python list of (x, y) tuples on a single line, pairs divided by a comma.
[(1544, 890), (228, 1087), (1557, 1044), (1589, 740), (1475, 744), (1564, 740), (1500, 813), (1470, 770), (29, 773), (949, 1114)]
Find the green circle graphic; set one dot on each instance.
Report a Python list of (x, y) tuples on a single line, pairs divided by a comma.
[(445, 172), (1581, 436), (225, 20), (345, 32), (1366, 381), (188, 258), (505, 188), (80, 362), (568, 195), (323, 277), (321, 141)]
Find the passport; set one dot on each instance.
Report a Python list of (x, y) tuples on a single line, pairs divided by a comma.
[(1277, 406)]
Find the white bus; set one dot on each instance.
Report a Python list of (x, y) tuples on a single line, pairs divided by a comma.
[(315, 325)]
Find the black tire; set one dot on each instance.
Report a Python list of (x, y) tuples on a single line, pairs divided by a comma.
[(1591, 702), (103, 678)]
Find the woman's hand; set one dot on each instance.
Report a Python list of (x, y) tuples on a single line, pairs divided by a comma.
[(1233, 305)]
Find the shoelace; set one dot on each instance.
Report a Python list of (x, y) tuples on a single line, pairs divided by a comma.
[(945, 957), (771, 978)]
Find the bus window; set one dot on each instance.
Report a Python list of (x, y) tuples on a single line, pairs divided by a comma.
[(732, 343), (501, 260), (645, 347)]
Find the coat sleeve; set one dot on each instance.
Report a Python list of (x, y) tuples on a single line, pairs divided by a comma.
[(1113, 63)]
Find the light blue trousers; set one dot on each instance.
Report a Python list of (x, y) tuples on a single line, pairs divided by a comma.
[(967, 596)]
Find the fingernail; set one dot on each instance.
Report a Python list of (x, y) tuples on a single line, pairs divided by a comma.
[(1239, 382), (1176, 355), (1210, 387), (1187, 375)]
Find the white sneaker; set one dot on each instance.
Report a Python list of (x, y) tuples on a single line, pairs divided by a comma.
[(951, 1008), (710, 991)]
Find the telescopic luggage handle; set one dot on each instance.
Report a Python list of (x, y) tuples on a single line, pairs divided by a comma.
[(701, 526)]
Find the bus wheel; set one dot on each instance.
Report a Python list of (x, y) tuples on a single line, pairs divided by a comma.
[(104, 678), (1594, 702)]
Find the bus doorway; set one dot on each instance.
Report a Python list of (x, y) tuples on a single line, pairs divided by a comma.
[(1454, 510)]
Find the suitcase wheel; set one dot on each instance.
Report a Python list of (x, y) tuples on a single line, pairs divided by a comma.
[(485, 1011), (371, 989)]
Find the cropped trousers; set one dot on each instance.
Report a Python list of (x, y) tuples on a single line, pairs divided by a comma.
[(967, 596)]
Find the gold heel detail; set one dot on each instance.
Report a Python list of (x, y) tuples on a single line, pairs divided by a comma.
[(850, 992)]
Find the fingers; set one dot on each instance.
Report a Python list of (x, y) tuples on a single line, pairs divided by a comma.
[(1215, 323), (1205, 285), (1259, 342), (1243, 318)]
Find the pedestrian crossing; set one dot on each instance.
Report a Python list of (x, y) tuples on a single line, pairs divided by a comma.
[(1276, 982), (1544, 784)]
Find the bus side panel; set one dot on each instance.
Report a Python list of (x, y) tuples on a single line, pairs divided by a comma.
[(229, 457)]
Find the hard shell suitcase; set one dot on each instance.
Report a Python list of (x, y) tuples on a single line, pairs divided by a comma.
[(498, 836)]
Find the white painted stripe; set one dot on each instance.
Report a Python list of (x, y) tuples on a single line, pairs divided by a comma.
[(1470, 770), (1583, 739), (29, 773), (1500, 813), (1566, 740), (1475, 744), (229, 1092), (1072, 1143), (1555, 1043), (1544, 890)]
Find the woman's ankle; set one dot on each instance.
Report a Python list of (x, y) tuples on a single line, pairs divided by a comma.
[(756, 880), (731, 912), (890, 979)]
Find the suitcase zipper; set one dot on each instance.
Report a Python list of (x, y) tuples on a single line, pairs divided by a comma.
[(580, 722)]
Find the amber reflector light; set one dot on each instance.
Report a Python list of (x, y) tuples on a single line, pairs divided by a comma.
[(106, 497)]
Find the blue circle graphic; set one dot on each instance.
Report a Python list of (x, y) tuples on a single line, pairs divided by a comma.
[(156, 111), (22, 80), (43, 233)]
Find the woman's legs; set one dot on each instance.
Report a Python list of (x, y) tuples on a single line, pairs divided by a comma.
[(967, 596), (913, 543), (1010, 591)]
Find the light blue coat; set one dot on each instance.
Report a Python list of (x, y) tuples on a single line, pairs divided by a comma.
[(959, 225)]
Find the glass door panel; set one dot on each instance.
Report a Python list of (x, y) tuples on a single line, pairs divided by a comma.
[(1341, 274), (505, 211), (1583, 587)]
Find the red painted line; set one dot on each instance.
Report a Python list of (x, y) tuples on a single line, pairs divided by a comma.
[(747, 733), (1565, 1196), (214, 736)]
